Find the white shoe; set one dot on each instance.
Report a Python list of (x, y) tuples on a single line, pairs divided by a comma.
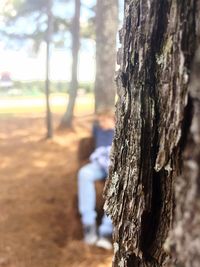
[(104, 243), (90, 234)]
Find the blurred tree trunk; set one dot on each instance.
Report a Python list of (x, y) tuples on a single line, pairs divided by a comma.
[(68, 116), (153, 190), (47, 84), (106, 31)]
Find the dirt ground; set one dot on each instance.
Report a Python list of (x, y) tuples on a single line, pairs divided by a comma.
[(39, 221)]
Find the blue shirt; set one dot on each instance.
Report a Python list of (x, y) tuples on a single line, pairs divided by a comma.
[(102, 137)]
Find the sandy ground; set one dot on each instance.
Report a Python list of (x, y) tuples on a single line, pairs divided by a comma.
[(39, 221)]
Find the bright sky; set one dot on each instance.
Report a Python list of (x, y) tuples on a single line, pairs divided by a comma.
[(24, 66)]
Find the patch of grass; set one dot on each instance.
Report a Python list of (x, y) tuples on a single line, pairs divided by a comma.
[(37, 88), (10, 106)]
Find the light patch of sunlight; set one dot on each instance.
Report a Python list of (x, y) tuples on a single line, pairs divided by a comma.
[(40, 163)]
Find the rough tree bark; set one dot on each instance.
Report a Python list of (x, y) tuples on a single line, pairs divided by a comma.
[(106, 31), (153, 190), (68, 116)]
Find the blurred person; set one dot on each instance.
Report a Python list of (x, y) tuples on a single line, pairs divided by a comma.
[(96, 169)]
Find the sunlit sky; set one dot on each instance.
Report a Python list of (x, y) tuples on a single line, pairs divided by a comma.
[(23, 64), (24, 67)]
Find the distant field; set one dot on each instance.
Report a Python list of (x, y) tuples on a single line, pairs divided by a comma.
[(37, 104)]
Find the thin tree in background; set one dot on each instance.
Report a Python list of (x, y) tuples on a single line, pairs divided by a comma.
[(47, 84), (153, 190), (106, 31), (68, 116)]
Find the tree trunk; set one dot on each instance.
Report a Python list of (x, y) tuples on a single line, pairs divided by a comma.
[(153, 190), (68, 116), (106, 31), (47, 84)]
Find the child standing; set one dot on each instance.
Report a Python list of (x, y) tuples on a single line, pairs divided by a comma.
[(96, 170)]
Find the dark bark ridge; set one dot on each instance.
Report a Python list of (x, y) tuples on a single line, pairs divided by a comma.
[(158, 44)]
